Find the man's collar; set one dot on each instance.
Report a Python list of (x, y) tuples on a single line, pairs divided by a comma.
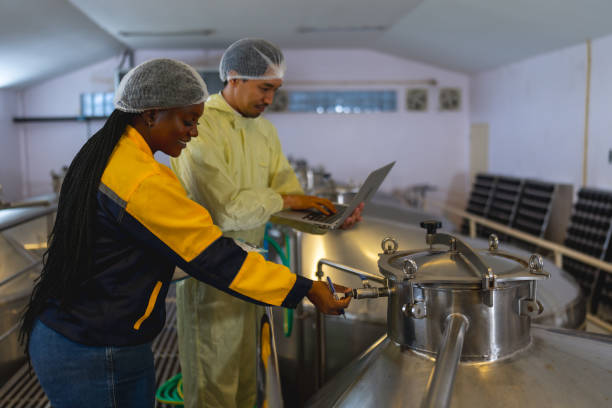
[(218, 102)]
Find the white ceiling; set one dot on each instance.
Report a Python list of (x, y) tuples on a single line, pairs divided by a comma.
[(40, 38)]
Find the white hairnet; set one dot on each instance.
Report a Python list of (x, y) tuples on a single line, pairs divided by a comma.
[(160, 84), (251, 58)]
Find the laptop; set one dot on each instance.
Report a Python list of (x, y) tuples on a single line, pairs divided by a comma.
[(334, 221)]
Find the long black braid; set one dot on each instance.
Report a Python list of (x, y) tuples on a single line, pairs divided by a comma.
[(68, 261)]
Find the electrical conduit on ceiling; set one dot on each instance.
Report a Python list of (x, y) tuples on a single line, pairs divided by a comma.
[(586, 115)]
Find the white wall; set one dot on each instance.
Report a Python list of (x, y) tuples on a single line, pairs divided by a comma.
[(50, 145), (536, 114), (599, 170), (10, 163), (429, 147)]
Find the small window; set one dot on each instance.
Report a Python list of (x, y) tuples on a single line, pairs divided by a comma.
[(97, 104), (342, 101)]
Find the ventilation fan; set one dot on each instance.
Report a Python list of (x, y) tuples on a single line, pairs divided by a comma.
[(450, 99), (416, 99)]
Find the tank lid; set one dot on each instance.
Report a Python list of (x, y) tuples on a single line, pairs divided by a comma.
[(445, 266), (449, 260)]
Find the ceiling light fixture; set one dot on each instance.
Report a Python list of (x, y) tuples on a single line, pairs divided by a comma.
[(308, 30), (184, 33)]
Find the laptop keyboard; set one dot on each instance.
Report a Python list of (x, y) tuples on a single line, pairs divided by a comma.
[(320, 217)]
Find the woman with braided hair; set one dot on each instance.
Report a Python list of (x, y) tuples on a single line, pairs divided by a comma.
[(123, 223)]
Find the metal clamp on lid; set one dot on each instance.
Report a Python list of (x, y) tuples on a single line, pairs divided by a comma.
[(536, 265), (389, 245), (530, 306), (412, 308), (463, 249)]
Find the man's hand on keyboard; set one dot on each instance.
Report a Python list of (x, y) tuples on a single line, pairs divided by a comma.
[(354, 218), (304, 202)]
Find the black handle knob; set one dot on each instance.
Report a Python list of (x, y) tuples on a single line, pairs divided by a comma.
[(431, 225)]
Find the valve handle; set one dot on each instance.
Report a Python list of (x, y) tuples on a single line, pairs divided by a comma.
[(431, 226)]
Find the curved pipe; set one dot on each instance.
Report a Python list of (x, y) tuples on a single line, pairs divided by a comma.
[(345, 268), (440, 386), (321, 361)]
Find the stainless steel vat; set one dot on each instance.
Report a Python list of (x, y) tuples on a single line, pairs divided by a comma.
[(564, 306), (459, 334), (560, 368), (23, 237), (367, 319)]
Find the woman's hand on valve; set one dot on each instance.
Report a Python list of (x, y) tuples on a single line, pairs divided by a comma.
[(303, 202), (324, 301)]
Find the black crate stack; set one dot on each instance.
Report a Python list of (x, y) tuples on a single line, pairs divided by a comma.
[(522, 204), (533, 211), (603, 297), (480, 199), (527, 205), (504, 204), (589, 232)]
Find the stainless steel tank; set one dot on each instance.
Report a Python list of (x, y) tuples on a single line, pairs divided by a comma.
[(564, 305), (459, 333), (23, 237), (366, 320)]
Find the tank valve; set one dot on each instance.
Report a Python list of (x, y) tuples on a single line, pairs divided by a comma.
[(369, 293), (431, 226), (416, 310)]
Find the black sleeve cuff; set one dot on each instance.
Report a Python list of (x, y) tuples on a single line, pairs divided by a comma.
[(300, 289)]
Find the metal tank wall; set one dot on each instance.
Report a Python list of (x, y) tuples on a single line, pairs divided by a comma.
[(366, 319), (360, 246), (23, 237), (553, 367), (561, 368)]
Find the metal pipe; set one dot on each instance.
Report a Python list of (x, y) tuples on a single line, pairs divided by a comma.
[(274, 351), (320, 324), (351, 270), (371, 293), (9, 331), (24, 204), (12, 217), (21, 272), (321, 352), (440, 385), (296, 267)]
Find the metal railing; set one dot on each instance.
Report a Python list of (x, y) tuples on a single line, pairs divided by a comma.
[(23, 216), (558, 251)]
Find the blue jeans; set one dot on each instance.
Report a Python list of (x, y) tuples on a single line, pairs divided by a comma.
[(76, 375)]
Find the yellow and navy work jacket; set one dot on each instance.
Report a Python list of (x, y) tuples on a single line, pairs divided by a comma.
[(146, 226)]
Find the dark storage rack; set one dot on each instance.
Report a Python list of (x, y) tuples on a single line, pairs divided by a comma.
[(480, 199), (533, 210), (604, 297), (589, 232), (504, 204), (519, 203), (527, 205)]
